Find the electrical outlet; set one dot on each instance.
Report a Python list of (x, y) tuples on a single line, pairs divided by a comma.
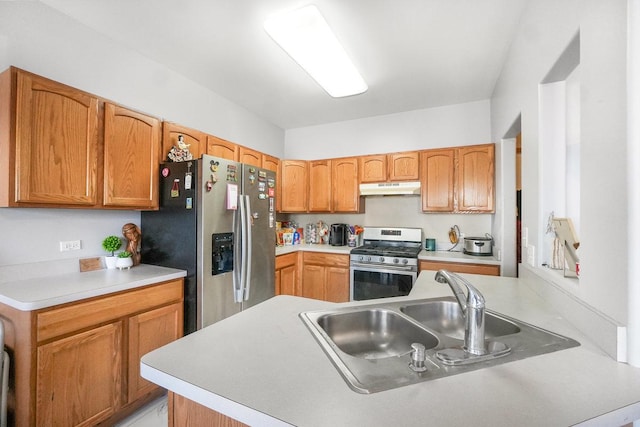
[(531, 255), (70, 245)]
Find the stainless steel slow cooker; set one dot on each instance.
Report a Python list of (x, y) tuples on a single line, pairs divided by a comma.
[(482, 246)]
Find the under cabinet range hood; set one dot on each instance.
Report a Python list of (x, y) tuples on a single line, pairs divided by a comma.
[(390, 189)]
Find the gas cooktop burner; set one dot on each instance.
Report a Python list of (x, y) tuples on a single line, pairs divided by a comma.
[(389, 246), (392, 251)]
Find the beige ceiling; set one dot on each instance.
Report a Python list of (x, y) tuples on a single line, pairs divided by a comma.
[(413, 53)]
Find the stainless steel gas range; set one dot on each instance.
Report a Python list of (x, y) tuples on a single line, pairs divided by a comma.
[(386, 265)]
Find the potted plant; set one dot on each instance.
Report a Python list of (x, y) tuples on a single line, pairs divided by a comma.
[(124, 260), (111, 244)]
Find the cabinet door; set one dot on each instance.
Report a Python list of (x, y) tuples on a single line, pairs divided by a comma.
[(346, 193), (131, 157), (437, 190), (337, 284), (148, 331), (288, 280), (293, 182), (320, 186), (287, 274), (196, 140), (313, 281), (373, 168), (476, 178), (79, 377), (221, 148), (404, 166), (250, 157), (56, 143), (270, 163)]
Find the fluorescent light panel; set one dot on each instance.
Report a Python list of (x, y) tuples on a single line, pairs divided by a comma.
[(306, 37)]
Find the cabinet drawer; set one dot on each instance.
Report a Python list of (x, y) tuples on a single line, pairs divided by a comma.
[(286, 260), (323, 258), (63, 320), (486, 269)]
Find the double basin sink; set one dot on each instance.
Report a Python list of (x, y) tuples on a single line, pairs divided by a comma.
[(371, 345)]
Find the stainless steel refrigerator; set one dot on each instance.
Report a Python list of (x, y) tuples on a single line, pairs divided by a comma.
[(216, 221)]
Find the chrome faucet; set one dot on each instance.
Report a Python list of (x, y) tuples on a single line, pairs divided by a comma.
[(472, 305)]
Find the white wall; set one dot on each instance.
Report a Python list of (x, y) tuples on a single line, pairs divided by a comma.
[(546, 29), (450, 126), (41, 40)]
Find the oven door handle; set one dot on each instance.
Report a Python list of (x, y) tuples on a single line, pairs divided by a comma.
[(380, 268)]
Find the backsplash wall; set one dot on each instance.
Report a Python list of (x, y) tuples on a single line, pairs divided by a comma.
[(403, 211)]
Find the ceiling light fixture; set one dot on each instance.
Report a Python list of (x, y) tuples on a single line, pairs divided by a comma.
[(305, 36)]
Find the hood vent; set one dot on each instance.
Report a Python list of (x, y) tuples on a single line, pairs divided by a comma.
[(390, 189)]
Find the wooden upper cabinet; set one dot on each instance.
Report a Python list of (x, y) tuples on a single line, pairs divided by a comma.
[(222, 148), (270, 163), (345, 191), (475, 178), (293, 185), (373, 168), (131, 158), (437, 188), (196, 140), (320, 199), (52, 156), (404, 166), (390, 167), (250, 157)]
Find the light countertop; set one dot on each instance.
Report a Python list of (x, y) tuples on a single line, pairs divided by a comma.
[(444, 256), (263, 367), (281, 250), (458, 257), (42, 292)]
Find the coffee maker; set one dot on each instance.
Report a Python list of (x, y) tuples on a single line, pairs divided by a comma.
[(339, 234)]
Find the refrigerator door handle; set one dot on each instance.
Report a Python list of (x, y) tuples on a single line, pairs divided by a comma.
[(241, 264), (249, 254)]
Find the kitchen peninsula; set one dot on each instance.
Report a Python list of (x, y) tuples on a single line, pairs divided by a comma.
[(75, 340), (263, 367)]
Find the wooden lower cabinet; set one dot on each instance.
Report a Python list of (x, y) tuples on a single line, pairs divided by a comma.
[(79, 377), (148, 331), (287, 276), (77, 364), (317, 275), (486, 269), (187, 413), (325, 276)]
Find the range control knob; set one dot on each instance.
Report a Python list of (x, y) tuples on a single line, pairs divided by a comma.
[(368, 258), (396, 260), (381, 259), (405, 261), (360, 258)]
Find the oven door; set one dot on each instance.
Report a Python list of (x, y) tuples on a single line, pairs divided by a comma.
[(371, 282)]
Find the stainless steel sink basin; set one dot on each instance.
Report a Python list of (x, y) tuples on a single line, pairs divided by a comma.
[(371, 345), (445, 317), (374, 333)]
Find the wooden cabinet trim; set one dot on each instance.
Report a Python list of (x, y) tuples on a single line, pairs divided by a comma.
[(69, 318)]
